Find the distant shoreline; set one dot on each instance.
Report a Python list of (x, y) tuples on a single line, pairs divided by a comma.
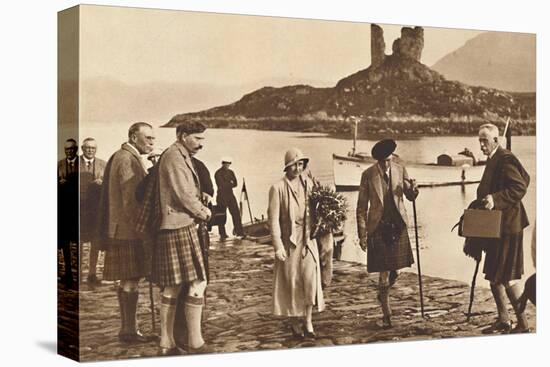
[(343, 130)]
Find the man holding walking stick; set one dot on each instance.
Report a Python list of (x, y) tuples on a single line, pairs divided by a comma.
[(382, 220), (503, 185)]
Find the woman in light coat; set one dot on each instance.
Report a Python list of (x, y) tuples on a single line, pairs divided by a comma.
[(297, 276)]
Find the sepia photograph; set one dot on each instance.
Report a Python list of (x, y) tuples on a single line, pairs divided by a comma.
[(293, 184), (232, 183)]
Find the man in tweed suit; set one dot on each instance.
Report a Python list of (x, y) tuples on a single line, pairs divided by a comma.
[(126, 257), (91, 171), (382, 220), (503, 185), (178, 261)]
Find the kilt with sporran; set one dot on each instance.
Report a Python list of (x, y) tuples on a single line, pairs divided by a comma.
[(389, 246), (177, 257), (126, 260), (504, 258)]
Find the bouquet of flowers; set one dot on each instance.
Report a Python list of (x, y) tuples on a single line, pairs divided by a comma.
[(328, 210)]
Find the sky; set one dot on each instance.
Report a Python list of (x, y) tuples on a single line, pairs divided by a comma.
[(135, 46)]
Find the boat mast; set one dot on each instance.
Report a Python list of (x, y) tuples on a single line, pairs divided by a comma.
[(354, 136)]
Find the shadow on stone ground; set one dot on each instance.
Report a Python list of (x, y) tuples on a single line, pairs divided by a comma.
[(237, 316)]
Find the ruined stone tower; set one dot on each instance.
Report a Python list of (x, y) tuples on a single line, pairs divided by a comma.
[(377, 45), (410, 44)]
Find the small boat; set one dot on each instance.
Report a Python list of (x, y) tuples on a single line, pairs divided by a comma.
[(460, 169), (257, 231)]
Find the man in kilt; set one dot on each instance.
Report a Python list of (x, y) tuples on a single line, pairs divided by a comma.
[(127, 259), (178, 261), (503, 185), (382, 227)]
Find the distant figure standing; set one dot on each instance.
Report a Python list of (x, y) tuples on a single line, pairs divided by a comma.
[(91, 178), (67, 202), (226, 181), (503, 184), (382, 220), (126, 257)]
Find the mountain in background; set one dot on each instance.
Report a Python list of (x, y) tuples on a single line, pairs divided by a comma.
[(501, 60), (395, 94)]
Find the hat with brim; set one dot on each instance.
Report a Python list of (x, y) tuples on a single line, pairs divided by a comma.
[(383, 149), (293, 156), (227, 159)]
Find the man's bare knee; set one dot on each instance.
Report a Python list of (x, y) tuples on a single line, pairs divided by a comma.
[(384, 278), (171, 292), (129, 286), (197, 288)]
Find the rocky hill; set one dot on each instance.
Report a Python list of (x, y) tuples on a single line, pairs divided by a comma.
[(396, 93)]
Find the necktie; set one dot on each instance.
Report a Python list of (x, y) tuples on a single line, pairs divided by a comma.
[(386, 178)]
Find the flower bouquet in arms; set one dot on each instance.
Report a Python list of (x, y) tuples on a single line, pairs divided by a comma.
[(329, 210)]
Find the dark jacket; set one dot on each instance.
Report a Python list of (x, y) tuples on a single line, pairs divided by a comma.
[(226, 181), (506, 180), (204, 176)]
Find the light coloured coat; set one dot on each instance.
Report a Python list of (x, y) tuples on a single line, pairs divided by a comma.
[(180, 195), (297, 280)]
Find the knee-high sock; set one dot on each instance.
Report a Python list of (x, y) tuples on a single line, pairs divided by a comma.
[(384, 298), (122, 305), (94, 254), (180, 325), (498, 294), (193, 316), (131, 311), (167, 316)]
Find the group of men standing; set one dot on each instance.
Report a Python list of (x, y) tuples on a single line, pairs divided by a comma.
[(159, 235), (90, 171)]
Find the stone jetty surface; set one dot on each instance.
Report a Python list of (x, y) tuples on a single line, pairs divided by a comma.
[(237, 316)]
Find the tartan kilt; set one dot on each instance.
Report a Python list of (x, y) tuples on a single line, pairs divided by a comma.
[(386, 257), (504, 258), (126, 260), (177, 257)]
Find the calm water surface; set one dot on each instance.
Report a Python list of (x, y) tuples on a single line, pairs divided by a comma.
[(258, 158)]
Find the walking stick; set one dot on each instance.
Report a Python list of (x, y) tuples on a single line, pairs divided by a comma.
[(418, 259), (472, 291), (152, 306)]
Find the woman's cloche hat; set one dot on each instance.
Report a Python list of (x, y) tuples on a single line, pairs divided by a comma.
[(293, 155)]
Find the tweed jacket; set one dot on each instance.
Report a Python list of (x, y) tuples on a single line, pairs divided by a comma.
[(179, 185), (118, 205), (506, 180), (370, 203)]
